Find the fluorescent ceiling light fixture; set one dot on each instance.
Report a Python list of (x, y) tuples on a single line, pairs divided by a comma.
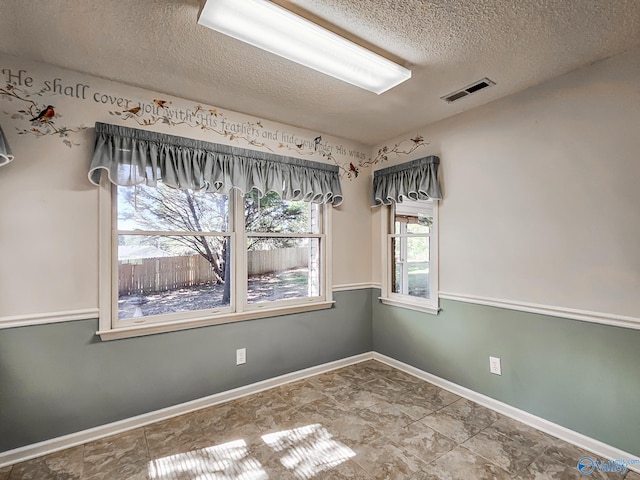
[(277, 30)]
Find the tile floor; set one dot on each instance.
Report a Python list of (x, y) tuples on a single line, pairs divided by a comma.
[(365, 421)]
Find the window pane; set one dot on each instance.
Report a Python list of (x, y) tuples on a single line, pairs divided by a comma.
[(413, 216), (282, 268), (422, 225), (159, 275), (271, 214), (168, 209), (411, 266), (398, 267)]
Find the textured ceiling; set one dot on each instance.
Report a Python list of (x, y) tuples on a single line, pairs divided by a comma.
[(449, 44)]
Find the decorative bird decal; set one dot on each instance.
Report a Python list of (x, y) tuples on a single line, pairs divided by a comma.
[(161, 103), (133, 110), (353, 169), (418, 139), (316, 142), (45, 114)]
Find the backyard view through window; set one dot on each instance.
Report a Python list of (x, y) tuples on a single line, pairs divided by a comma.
[(410, 248), (177, 251), (283, 249)]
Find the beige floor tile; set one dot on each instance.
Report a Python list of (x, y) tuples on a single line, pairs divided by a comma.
[(307, 452), (384, 386), (462, 464), (519, 431), (461, 420), (330, 382), (513, 454), (5, 472), (411, 403), (361, 395), (263, 401), (477, 414), (422, 442), (63, 465), (231, 460), (358, 374), (298, 393), (375, 366), (384, 460), (175, 436), (560, 461), (353, 430), (247, 433), (346, 470), (383, 416), (119, 456), (435, 396), (403, 378), (128, 471), (223, 417), (283, 420)]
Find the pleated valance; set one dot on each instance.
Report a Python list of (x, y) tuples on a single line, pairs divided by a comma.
[(5, 152), (415, 180), (131, 157)]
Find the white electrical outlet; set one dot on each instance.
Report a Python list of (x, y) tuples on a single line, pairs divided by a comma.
[(494, 365), (241, 356)]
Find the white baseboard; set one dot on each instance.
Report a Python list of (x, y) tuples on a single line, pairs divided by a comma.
[(28, 452), (587, 443)]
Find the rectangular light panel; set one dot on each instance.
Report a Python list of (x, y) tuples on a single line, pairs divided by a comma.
[(277, 30)]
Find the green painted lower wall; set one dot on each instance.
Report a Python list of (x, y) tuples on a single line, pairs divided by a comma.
[(60, 378), (583, 376)]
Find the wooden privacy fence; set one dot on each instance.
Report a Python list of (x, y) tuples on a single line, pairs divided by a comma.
[(150, 275), (266, 261)]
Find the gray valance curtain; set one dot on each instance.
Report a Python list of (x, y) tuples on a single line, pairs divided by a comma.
[(415, 180), (131, 156), (5, 152)]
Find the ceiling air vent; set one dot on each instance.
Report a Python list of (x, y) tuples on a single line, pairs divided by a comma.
[(463, 92)]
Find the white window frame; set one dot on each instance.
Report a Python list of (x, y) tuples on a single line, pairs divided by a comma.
[(111, 328), (388, 296)]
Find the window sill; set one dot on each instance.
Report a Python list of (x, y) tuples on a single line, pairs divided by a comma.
[(140, 330), (419, 307)]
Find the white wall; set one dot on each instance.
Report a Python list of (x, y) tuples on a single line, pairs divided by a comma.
[(48, 208), (542, 193)]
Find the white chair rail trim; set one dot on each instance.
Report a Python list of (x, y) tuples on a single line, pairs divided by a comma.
[(48, 317), (570, 313)]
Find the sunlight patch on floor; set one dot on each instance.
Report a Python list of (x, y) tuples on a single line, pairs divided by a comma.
[(308, 450), (227, 461)]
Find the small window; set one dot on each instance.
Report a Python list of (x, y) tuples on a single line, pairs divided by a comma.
[(411, 260)]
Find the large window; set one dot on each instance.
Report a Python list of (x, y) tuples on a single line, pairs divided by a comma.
[(411, 260), (180, 258)]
